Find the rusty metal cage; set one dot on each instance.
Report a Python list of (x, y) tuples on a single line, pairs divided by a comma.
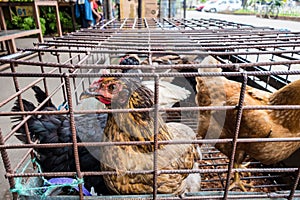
[(262, 57)]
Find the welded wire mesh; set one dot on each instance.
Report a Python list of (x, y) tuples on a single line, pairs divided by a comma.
[(262, 57)]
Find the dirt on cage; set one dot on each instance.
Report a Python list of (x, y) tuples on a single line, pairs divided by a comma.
[(255, 182)]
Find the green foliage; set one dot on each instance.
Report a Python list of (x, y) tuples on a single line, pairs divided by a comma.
[(66, 20), (244, 11), (16, 20), (49, 15), (28, 23), (47, 20), (289, 14), (43, 25), (251, 3), (25, 23), (282, 13)]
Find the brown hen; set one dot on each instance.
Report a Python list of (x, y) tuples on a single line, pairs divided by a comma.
[(129, 93), (276, 123)]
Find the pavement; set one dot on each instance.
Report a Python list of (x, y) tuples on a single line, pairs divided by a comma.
[(248, 19)]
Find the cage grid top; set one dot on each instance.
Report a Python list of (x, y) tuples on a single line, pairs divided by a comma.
[(169, 50)]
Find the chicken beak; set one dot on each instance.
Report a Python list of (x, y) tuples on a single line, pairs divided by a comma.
[(88, 93), (92, 90)]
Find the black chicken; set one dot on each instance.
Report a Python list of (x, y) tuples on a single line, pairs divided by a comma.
[(56, 129)]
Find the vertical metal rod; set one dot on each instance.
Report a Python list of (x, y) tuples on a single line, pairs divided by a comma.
[(169, 10), (17, 88), (73, 129), (291, 196), (42, 68), (156, 129), (60, 71), (43, 71), (7, 165), (74, 84), (236, 134), (109, 9), (140, 9), (36, 13), (184, 9)]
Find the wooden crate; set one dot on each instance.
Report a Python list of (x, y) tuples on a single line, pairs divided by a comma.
[(150, 8), (129, 8)]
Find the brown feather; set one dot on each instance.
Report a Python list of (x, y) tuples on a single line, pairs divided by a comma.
[(139, 126), (212, 91)]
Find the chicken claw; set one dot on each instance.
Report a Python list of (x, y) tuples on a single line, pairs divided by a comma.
[(237, 182)]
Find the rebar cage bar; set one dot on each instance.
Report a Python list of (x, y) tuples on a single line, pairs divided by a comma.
[(262, 57)]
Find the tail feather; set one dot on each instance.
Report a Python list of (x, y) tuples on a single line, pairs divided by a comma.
[(40, 96), (35, 128), (28, 106), (47, 129), (20, 133)]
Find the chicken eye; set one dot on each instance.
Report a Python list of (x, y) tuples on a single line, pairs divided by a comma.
[(112, 88)]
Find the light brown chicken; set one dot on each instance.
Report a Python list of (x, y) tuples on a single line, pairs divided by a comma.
[(129, 93), (276, 123)]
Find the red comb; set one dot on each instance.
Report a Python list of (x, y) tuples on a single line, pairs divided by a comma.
[(123, 58)]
